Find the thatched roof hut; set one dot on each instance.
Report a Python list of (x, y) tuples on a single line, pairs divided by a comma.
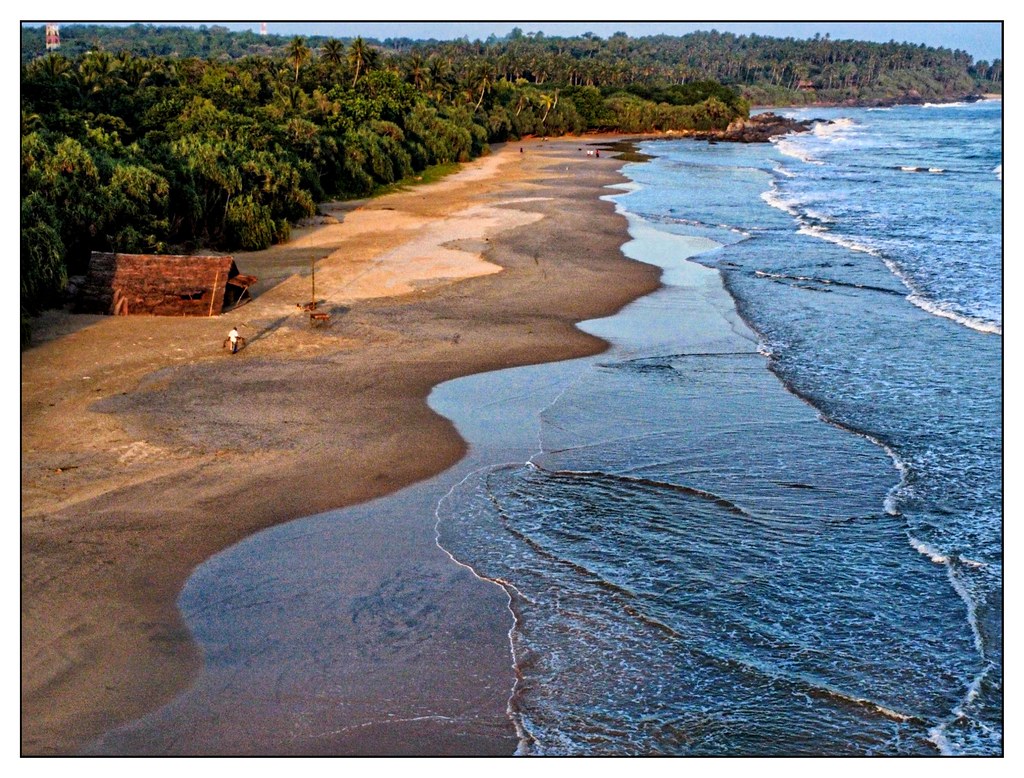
[(161, 285)]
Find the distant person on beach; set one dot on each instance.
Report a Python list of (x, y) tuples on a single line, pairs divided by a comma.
[(233, 338)]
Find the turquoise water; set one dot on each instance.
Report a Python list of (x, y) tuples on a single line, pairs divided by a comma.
[(769, 521)]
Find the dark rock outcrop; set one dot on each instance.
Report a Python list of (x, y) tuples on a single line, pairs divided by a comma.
[(757, 129)]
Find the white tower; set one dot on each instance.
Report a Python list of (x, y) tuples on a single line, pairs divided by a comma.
[(263, 28)]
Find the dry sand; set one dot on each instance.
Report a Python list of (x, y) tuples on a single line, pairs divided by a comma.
[(146, 447)]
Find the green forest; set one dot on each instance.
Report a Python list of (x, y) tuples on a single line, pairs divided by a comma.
[(172, 139)]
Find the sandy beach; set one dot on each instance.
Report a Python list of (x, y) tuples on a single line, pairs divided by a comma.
[(146, 447)]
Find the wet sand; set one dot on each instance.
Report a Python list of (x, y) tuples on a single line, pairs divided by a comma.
[(147, 448)]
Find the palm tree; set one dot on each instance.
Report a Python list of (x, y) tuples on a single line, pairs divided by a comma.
[(358, 57), (291, 99), (52, 66), (417, 70), (98, 80), (484, 79), (548, 102), (298, 52), (440, 72), (333, 52), (30, 121), (134, 70), (97, 70), (526, 95)]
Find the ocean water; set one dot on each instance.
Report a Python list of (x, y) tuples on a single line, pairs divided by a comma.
[(768, 520)]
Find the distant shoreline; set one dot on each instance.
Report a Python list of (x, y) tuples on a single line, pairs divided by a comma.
[(880, 103)]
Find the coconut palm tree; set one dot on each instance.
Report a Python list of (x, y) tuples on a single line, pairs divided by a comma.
[(96, 71), (135, 71), (333, 52), (52, 66), (298, 52), (548, 102), (30, 121), (359, 57), (440, 74), (416, 70), (482, 79)]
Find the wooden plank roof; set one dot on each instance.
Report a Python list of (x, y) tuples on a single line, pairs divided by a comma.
[(160, 284)]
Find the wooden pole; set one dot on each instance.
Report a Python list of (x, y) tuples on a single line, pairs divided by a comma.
[(213, 293)]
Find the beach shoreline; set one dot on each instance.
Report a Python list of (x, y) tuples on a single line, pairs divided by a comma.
[(146, 448)]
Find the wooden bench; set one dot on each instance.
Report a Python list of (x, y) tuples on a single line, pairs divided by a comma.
[(317, 317)]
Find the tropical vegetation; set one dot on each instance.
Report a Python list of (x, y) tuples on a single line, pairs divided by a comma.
[(147, 139)]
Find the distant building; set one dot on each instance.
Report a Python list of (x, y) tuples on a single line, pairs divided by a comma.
[(263, 28), (52, 37)]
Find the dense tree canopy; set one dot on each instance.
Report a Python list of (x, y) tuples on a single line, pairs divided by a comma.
[(170, 139), (761, 67)]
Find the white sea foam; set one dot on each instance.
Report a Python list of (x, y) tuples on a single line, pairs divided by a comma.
[(889, 713), (998, 170), (936, 170), (775, 200), (975, 688), (929, 551), (784, 277), (937, 735), (972, 608), (929, 306), (817, 231), (771, 670), (915, 297), (945, 105), (626, 187), (936, 556), (735, 230), (791, 149), (818, 216), (889, 505), (979, 325), (972, 562), (836, 127), (523, 735)]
